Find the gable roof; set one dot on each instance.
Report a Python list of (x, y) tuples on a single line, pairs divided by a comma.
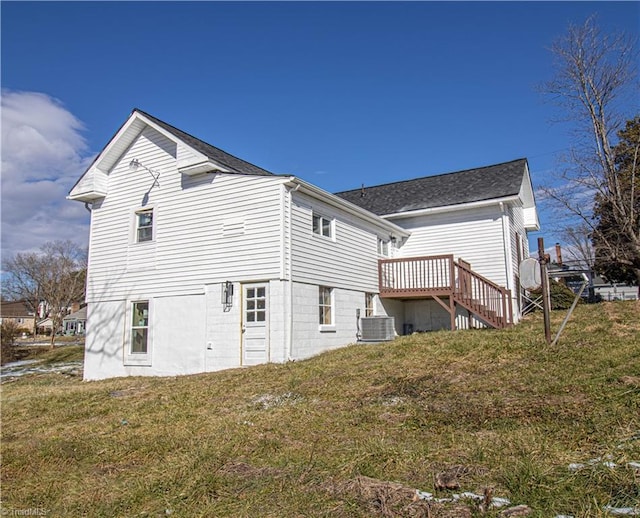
[(81, 314), (471, 185), (234, 163), (14, 309), (199, 158)]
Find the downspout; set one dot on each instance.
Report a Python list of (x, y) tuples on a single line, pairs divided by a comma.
[(508, 263), (289, 240)]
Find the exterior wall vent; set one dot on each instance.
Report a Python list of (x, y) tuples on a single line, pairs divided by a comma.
[(377, 329)]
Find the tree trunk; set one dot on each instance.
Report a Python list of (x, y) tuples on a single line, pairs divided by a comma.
[(55, 325)]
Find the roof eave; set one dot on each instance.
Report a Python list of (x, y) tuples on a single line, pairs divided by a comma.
[(343, 204), (87, 197), (451, 208)]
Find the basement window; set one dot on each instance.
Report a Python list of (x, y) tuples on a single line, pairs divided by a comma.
[(368, 304), (138, 346), (325, 306), (140, 328)]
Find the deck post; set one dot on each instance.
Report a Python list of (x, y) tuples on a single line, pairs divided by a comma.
[(452, 287), (505, 318), (452, 310)]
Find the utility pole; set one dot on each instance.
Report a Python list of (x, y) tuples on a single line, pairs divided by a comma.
[(544, 277)]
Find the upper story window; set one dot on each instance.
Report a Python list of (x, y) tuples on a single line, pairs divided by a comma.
[(144, 225), (383, 247), (322, 225)]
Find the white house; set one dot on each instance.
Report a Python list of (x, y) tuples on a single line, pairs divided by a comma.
[(200, 261), (614, 291)]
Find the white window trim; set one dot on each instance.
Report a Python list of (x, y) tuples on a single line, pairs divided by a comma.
[(381, 244), (372, 309), (332, 225), (329, 328), (134, 224), (138, 359)]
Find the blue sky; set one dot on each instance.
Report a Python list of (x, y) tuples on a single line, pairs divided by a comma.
[(337, 93)]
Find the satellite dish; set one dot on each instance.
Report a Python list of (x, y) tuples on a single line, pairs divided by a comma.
[(530, 277)]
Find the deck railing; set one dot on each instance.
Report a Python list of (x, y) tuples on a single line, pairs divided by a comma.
[(416, 276), (481, 296), (441, 275)]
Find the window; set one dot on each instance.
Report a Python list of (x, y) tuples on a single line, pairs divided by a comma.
[(140, 328), (368, 304), (322, 226), (383, 247), (324, 305), (144, 225), (256, 305)]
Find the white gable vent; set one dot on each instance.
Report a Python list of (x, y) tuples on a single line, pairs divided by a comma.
[(377, 329)]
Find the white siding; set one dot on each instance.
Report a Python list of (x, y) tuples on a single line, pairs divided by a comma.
[(207, 228), (94, 181), (428, 315), (348, 261), (308, 338), (176, 328), (516, 221), (187, 334), (475, 235), (223, 329), (223, 326)]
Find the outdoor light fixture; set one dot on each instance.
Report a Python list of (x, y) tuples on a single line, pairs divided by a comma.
[(135, 164), (227, 295)]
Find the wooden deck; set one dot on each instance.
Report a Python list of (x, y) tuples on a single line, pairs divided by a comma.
[(451, 283)]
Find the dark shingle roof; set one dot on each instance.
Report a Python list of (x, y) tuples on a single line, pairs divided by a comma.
[(471, 185), (14, 309), (218, 155)]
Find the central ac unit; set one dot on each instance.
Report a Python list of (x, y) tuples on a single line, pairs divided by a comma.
[(377, 329)]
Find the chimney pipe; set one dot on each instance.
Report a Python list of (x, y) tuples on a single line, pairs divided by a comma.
[(558, 254)]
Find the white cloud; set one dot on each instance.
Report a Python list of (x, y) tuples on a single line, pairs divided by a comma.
[(43, 154)]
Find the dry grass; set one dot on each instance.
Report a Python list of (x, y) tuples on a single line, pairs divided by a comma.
[(349, 433)]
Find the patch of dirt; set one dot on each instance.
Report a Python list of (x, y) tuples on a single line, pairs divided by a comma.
[(247, 471), (392, 500), (111, 469), (634, 381)]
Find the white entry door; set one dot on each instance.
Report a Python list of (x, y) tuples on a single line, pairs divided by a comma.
[(255, 324)]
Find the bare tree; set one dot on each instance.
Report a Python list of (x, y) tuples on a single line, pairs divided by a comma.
[(593, 74), (55, 276), (579, 250)]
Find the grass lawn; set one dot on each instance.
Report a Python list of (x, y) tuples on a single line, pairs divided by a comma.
[(350, 433)]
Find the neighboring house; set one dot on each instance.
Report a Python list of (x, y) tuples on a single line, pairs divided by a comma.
[(19, 313), (75, 323), (612, 291), (200, 261), (45, 326)]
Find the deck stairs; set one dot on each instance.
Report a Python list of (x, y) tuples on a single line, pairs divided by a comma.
[(451, 283)]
